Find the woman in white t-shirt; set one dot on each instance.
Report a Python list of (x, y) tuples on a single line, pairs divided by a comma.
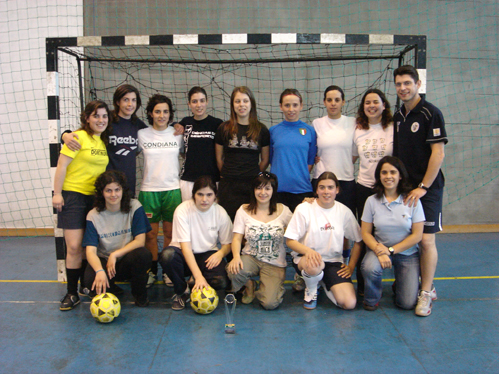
[(262, 223), (335, 145), (160, 190), (198, 225), (315, 234), (373, 139)]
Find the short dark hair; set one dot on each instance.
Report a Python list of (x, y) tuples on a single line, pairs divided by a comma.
[(202, 182), (195, 90), (325, 176), (90, 108), (406, 70), (118, 95), (108, 177), (159, 99), (334, 88), (263, 179), (403, 188), (386, 116), (290, 91)]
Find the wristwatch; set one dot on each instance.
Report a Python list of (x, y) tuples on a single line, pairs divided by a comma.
[(421, 185), (391, 250)]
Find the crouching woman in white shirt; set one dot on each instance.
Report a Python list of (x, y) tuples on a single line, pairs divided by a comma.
[(198, 225), (315, 234)]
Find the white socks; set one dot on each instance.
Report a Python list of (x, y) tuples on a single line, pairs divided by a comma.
[(311, 282), (329, 294)]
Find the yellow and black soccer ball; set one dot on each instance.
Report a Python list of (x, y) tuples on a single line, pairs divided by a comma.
[(105, 307), (204, 301)]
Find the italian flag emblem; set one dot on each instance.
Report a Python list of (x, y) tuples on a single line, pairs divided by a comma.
[(303, 131)]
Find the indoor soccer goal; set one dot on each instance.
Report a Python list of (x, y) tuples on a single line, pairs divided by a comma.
[(81, 69)]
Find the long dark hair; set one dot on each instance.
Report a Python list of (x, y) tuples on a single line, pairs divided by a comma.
[(108, 177), (261, 180), (386, 116), (90, 108), (403, 188), (230, 127), (118, 95)]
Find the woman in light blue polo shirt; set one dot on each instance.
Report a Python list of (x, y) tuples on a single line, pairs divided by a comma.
[(398, 229)]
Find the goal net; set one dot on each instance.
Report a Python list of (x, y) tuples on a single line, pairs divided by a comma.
[(88, 68)]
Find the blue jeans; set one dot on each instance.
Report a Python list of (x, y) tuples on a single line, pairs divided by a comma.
[(406, 277)]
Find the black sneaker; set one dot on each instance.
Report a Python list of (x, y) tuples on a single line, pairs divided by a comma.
[(115, 290), (142, 303), (69, 301), (180, 301), (84, 291)]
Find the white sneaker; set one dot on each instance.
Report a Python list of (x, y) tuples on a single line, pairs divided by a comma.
[(151, 279), (423, 308), (433, 293), (310, 299), (168, 281)]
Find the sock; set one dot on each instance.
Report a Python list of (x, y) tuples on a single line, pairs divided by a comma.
[(154, 267), (329, 294), (311, 282), (84, 264), (73, 276)]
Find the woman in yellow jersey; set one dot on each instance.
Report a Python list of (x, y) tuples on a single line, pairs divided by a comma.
[(74, 189)]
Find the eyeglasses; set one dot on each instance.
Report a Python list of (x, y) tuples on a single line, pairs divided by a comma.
[(265, 174)]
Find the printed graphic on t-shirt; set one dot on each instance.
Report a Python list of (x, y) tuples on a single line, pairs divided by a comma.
[(374, 150), (264, 241), (243, 143), (125, 144)]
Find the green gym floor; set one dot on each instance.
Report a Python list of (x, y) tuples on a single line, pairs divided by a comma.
[(460, 336)]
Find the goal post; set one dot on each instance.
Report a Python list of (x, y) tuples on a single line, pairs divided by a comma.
[(80, 69)]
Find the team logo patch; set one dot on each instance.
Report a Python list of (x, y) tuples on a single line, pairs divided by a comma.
[(149, 215), (436, 132), (303, 131), (415, 127)]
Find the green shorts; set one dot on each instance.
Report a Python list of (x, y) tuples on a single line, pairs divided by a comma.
[(159, 206)]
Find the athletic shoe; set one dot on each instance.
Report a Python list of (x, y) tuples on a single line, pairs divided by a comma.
[(312, 304), (423, 308), (69, 301), (168, 281), (370, 308), (433, 293), (151, 279), (88, 292), (249, 293), (299, 284), (180, 301), (142, 303)]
